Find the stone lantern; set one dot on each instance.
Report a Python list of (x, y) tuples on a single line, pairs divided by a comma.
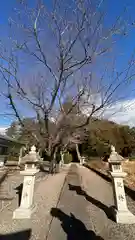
[(31, 160), (120, 211), (26, 206), (83, 159)]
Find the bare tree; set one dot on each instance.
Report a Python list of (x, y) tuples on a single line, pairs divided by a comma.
[(63, 45)]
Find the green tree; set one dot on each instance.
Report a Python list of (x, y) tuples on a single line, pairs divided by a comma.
[(14, 130)]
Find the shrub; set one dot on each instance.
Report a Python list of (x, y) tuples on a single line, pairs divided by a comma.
[(132, 158), (12, 158), (67, 158)]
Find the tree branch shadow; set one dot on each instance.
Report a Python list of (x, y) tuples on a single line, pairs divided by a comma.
[(26, 234), (97, 203), (73, 227)]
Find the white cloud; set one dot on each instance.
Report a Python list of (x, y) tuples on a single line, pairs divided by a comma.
[(3, 130), (122, 112)]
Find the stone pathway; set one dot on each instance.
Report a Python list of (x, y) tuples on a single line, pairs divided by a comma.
[(46, 197), (71, 219), (98, 193), (83, 211)]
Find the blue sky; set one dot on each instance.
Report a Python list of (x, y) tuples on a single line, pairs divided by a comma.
[(5, 10), (115, 7)]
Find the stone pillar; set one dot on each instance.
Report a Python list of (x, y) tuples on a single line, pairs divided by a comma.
[(2, 161), (62, 159), (120, 211), (1, 164), (21, 154), (83, 160), (26, 206)]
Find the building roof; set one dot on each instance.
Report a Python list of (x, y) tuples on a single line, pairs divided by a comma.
[(5, 137)]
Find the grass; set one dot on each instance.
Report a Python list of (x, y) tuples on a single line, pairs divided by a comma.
[(129, 168)]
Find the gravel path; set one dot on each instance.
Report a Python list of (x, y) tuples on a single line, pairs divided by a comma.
[(47, 191), (98, 193)]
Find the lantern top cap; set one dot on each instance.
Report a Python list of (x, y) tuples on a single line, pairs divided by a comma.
[(32, 156), (112, 148), (114, 156), (33, 149)]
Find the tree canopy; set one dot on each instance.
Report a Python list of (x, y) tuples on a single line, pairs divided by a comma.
[(95, 139)]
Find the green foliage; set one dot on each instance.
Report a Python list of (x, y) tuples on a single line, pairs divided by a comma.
[(103, 133), (13, 131), (67, 158), (95, 139), (12, 158), (31, 128), (132, 158), (14, 150), (13, 153)]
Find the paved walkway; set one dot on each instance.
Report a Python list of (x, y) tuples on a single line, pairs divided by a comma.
[(98, 193), (73, 204), (71, 219), (83, 211)]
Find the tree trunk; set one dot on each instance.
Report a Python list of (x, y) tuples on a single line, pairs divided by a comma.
[(78, 153), (62, 157), (52, 167), (20, 156)]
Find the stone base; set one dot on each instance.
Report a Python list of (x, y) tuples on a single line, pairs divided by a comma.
[(124, 217), (23, 213)]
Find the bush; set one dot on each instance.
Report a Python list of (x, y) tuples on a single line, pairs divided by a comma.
[(12, 158), (67, 158), (132, 158)]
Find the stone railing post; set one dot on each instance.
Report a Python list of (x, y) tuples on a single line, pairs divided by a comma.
[(22, 151), (26, 206), (83, 160), (120, 211)]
